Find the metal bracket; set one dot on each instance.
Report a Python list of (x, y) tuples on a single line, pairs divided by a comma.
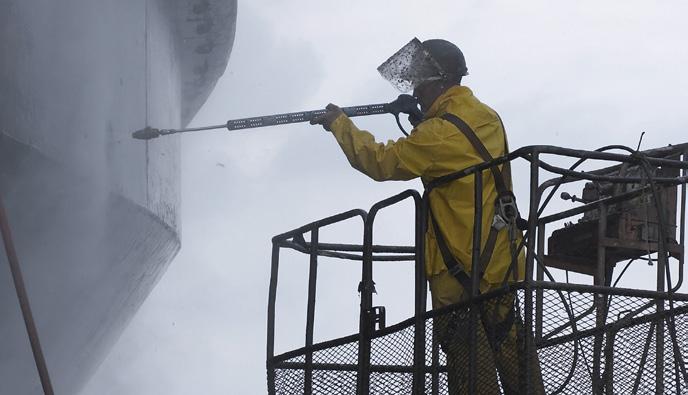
[(367, 287), (378, 317)]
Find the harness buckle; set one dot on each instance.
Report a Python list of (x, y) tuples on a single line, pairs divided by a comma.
[(498, 223), (506, 208)]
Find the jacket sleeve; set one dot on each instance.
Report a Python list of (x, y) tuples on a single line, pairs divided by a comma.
[(431, 150)]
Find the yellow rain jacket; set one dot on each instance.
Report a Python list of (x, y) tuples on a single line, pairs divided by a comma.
[(436, 148)]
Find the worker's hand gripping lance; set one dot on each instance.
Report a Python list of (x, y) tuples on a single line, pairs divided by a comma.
[(406, 104)]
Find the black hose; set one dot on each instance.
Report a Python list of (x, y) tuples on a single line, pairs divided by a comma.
[(573, 167), (396, 116), (574, 330)]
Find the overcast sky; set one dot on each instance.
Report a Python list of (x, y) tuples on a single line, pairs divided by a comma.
[(579, 74)]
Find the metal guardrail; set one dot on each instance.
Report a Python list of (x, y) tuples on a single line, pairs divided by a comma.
[(650, 316)]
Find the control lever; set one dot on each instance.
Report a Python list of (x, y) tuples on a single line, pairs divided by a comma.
[(574, 198)]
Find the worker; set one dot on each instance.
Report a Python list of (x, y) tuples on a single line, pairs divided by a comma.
[(454, 130)]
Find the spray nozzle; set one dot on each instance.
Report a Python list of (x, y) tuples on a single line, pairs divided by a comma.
[(146, 134)]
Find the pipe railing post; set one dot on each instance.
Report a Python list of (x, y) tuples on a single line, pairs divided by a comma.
[(420, 289), (659, 340), (600, 300), (682, 231), (272, 295), (540, 276), (682, 228), (530, 262), (310, 313), (366, 288)]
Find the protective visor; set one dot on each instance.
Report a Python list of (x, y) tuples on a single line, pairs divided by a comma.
[(411, 66)]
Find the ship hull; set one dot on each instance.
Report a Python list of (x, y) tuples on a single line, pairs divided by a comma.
[(94, 213)]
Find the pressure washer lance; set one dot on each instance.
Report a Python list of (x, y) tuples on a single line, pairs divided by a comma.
[(406, 104)]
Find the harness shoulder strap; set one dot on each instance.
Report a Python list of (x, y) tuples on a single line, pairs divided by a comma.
[(455, 267), (478, 145), (507, 165)]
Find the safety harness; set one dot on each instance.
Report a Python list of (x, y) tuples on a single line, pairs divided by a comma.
[(506, 212), (506, 216)]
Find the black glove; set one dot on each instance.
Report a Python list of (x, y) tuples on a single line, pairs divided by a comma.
[(326, 119), (414, 119)]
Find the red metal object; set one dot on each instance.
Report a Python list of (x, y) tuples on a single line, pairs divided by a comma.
[(23, 297)]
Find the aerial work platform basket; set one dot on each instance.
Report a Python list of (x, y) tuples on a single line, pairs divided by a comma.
[(573, 338)]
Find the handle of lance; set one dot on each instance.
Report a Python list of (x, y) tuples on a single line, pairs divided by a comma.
[(302, 116)]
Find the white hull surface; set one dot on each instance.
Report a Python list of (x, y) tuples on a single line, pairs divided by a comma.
[(94, 213)]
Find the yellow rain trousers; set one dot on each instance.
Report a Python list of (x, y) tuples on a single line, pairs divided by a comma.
[(433, 149)]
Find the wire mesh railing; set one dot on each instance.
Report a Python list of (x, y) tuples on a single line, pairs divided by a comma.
[(562, 362)]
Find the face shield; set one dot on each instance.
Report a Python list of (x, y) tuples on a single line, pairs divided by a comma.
[(411, 66)]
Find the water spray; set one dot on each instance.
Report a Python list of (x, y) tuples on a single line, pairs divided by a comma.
[(406, 104)]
